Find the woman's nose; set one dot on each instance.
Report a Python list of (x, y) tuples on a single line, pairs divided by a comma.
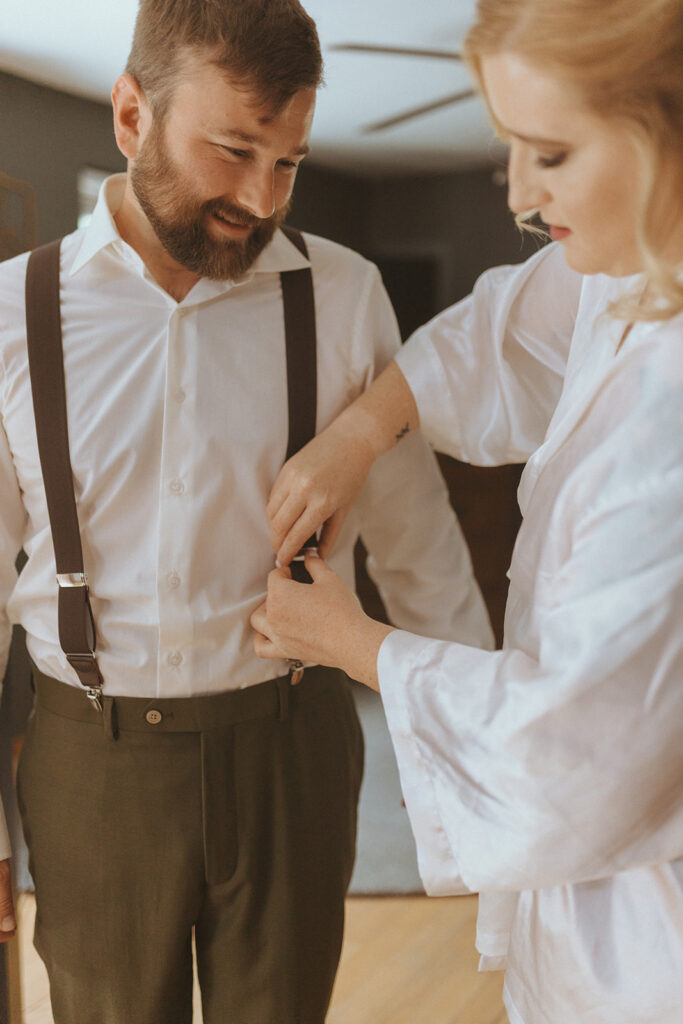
[(526, 189)]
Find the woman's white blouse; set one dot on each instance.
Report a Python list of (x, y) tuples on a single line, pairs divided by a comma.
[(549, 776)]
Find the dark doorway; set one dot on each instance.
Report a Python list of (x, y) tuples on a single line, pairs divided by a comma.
[(412, 286)]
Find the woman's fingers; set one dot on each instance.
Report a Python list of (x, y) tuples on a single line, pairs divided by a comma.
[(330, 532), (8, 922), (259, 620), (284, 507), (298, 517), (263, 643), (265, 648), (286, 622), (282, 521), (297, 536)]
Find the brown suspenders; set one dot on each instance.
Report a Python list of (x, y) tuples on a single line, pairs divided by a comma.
[(46, 364), (44, 337), (302, 374)]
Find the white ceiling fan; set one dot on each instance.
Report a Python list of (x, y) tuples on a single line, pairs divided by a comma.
[(404, 51)]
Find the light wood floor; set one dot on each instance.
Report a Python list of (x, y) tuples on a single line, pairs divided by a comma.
[(406, 960)]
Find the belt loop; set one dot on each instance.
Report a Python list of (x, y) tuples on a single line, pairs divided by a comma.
[(111, 725), (283, 687)]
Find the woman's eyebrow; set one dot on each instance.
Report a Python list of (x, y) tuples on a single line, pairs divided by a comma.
[(534, 140)]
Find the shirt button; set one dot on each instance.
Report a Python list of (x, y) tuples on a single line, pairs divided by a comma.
[(177, 486), (174, 580), (175, 658), (179, 395), (153, 716)]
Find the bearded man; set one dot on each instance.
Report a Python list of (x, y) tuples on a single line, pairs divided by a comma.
[(172, 784)]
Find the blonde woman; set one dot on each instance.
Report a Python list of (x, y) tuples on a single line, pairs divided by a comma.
[(547, 776)]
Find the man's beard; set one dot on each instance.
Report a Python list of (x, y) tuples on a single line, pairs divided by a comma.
[(178, 218)]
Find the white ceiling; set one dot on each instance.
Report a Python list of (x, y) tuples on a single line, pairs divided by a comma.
[(80, 46)]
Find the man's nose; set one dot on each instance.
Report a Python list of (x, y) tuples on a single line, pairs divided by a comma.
[(257, 192)]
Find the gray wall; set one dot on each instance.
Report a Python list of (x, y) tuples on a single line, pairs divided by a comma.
[(336, 206), (45, 138)]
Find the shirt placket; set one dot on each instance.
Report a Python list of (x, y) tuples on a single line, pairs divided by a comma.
[(176, 503)]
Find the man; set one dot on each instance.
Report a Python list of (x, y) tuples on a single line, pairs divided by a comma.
[(201, 790)]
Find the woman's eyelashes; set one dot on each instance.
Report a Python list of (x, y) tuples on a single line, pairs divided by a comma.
[(551, 161)]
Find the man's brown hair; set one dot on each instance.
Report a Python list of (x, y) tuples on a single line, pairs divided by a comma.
[(271, 46)]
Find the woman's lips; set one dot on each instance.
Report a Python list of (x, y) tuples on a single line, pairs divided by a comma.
[(558, 234)]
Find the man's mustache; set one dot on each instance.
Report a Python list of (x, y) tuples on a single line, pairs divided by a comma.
[(235, 214)]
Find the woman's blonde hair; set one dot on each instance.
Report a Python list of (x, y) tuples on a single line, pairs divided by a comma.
[(626, 58)]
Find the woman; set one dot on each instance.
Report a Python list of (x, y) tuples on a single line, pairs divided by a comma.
[(548, 775)]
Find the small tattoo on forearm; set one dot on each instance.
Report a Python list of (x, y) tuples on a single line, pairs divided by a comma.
[(402, 434)]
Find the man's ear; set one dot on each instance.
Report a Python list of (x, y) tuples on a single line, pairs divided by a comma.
[(132, 115)]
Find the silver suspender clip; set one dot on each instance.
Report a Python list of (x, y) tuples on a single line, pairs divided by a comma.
[(72, 579), (301, 557), (87, 661), (296, 671), (95, 698)]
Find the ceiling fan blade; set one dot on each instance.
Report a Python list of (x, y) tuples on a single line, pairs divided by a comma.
[(427, 108), (401, 51)]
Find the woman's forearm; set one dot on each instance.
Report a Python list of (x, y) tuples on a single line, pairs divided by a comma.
[(359, 657), (384, 414)]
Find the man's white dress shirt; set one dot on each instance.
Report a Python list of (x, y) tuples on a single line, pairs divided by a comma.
[(178, 426), (549, 776)]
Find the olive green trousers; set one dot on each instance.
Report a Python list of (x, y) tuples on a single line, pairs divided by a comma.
[(230, 816)]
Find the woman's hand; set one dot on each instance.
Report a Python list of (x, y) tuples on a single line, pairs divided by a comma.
[(315, 489), (322, 622), (8, 921), (318, 485)]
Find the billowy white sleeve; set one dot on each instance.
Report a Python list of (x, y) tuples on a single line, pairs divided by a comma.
[(417, 554), (524, 772), (487, 372), (12, 521)]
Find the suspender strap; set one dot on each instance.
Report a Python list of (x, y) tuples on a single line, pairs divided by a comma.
[(302, 377), (46, 365), (300, 335)]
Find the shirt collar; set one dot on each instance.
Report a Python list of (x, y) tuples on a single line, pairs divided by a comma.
[(101, 232), (279, 255)]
